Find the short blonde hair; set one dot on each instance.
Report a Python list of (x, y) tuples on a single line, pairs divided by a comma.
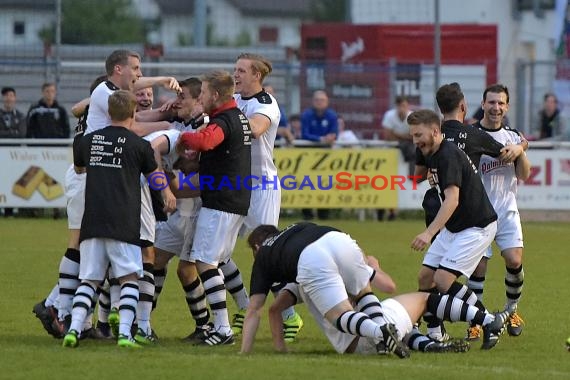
[(222, 82), (259, 64), (122, 105)]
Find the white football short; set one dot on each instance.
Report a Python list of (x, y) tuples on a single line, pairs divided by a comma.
[(339, 340), (75, 193), (330, 269), (148, 221), (98, 253), (176, 234), (215, 237), (460, 251), (509, 232), (394, 312), (263, 209)]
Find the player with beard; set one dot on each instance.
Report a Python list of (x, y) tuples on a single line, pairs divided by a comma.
[(465, 224), (500, 180), (225, 158), (474, 143)]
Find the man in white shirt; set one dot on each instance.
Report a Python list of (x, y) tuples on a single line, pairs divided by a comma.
[(396, 128)]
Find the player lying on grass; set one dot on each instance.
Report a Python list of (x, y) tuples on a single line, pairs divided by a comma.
[(332, 274)]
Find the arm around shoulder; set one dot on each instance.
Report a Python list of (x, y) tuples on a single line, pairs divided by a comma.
[(522, 167)]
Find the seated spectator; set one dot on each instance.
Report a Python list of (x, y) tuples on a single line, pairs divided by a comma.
[(346, 136), (319, 124), (283, 131), (395, 127)]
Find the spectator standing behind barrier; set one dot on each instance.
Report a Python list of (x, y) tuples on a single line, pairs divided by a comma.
[(283, 130), (319, 124), (550, 124), (396, 128), (12, 123), (46, 118)]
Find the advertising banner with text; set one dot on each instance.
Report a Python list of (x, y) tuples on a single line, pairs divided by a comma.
[(339, 178), (548, 187), (33, 176)]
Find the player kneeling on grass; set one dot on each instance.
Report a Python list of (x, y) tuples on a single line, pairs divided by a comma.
[(332, 275), (399, 310), (114, 158)]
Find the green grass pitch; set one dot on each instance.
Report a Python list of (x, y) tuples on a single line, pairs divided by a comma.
[(30, 254)]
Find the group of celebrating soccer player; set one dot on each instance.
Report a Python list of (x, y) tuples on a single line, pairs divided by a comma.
[(128, 217)]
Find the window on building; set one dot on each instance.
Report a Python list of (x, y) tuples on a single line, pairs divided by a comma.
[(527, 5), (268, 34), (19, 28)]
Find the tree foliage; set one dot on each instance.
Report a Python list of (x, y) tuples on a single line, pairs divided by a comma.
[(330, 10), (98, 22)]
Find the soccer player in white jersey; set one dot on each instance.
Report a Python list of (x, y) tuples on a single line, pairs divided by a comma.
[(174, 237), (123, 72), (263, 113), (500, 181)]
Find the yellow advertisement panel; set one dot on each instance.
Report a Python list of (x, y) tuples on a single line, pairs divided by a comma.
[(339, 178)]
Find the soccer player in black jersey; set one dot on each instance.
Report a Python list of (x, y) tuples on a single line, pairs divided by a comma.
[(225, 159), (465, 223), (114, 158), (334, 278), (474, 143)]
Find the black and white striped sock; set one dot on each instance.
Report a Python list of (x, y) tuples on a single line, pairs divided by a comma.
[(196, 300), (81, 304), (369, 304), (234, 283), (357, 323), (146, 295), (159, 278), (514, 280), (128, 306), (68, 281), (216, 296)]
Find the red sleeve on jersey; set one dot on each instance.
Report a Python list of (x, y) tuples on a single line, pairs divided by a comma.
[(206, 139)]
